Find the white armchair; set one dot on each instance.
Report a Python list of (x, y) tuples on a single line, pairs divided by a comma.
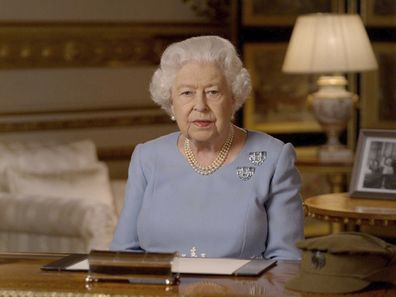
[(56, 198), (36, 223)]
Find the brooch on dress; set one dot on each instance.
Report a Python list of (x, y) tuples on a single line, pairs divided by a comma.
[(245, 172), (257, 158)]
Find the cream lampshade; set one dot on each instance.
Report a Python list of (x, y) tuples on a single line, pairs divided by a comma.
[(330, 45)]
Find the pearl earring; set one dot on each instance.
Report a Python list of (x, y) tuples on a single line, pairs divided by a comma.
[(173, 118)]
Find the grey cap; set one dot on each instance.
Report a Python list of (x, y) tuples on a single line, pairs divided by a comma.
[(344, 262)]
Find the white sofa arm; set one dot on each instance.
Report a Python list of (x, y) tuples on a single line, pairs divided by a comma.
[(118, 191), (55, 216)]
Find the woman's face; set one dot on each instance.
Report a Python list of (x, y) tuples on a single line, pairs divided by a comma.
[(202, 102)]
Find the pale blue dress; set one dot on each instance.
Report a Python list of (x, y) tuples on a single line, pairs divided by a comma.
[(170, 208)]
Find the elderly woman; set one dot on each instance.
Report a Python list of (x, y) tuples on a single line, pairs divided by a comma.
[(212, 189)]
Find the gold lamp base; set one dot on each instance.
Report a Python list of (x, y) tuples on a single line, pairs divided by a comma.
[(332, 106)]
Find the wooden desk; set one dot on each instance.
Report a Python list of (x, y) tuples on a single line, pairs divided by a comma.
[(339, 207), (20, 275)]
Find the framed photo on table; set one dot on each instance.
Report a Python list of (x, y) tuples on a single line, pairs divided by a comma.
[(374, 170), (278, 100), (378, 96), (283, 12)]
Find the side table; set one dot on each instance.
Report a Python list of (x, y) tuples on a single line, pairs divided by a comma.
[(351, 212)]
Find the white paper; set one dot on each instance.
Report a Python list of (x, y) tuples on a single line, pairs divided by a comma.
[(207, 265), (82, 265), (190, 265)]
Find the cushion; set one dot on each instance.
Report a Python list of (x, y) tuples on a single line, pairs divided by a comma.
[(47, 157), (42, 223), (90, 184), (52, 216)]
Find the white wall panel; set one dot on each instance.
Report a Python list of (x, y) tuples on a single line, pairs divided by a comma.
[(48, 90)]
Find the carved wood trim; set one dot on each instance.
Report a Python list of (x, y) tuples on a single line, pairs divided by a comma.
[(60, 45), (129, 120)]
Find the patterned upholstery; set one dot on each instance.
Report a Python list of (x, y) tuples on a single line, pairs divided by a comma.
[(43, 220), (30, 242), (45, 157)]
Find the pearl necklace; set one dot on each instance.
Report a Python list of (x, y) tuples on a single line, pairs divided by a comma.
[(216, 164)]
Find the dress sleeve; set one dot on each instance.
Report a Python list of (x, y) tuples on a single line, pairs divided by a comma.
[(125, 236), (284, 208)]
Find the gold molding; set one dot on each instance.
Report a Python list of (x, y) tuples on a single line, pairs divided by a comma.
[(214, 10), (76, 111), (27, 293), (62, 45), (85, 123)]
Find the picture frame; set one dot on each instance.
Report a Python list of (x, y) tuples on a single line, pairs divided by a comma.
[(374, 170), (283, 12), (277, 103), (379, 12), (378, 98)]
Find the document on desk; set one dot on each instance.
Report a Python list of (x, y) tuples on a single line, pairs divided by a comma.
[(184, 265), (220, 266)]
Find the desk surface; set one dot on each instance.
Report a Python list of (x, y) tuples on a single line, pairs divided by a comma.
[(20, 275)]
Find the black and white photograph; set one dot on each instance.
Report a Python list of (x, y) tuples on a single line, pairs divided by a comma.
[(374, 173)]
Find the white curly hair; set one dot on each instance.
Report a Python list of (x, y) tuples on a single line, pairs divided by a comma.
[(208, 49)]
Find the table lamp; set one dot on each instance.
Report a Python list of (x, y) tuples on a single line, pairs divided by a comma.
[(330, 45)]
